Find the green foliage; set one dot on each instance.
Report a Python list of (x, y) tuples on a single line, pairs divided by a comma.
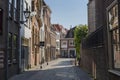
[(79, 33)]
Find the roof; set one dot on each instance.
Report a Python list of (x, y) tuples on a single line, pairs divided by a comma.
[(58, 27), (70, 33)]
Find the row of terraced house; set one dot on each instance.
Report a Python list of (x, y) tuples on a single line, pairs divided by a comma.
[(27, 37)]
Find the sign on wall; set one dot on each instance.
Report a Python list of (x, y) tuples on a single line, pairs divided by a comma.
[(1, 21)]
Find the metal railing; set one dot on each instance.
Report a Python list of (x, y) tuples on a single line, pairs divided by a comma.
[(94, 40)]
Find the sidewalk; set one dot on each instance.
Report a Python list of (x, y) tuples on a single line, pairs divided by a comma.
[(44, 65), (32, 71)]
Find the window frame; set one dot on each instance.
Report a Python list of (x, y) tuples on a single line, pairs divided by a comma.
[(1, 21), (110, 34), (71, 41), (10, 8), (15, 10), (32, 6), (15, 50), (10, 49)]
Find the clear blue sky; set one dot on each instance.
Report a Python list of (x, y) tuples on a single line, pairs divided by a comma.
[(68, 12)]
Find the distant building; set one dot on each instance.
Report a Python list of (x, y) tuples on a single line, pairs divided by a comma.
[(60, 33), (67, 46), (53, 54)]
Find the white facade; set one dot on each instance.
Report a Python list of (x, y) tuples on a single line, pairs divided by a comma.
[(25, 34)]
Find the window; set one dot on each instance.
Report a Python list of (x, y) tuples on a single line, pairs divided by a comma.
[(15, 10), (115, 34), (116, 47), (32, 6), (64, 43), (113, 17), (10, 49), (71, 43), (14, 55), (15, 3), (10, 8), (1, 21)]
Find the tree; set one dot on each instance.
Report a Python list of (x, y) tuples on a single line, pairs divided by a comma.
[(80, 32)]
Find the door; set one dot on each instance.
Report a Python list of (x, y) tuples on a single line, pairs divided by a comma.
[(72, 53), (24, 57)]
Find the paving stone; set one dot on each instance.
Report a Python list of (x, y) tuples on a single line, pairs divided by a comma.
[(60, 69)]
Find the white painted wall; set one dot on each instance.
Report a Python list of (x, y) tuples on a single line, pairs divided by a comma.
[(25, 31)]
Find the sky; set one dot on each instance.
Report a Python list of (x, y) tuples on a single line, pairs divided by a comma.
[(68, 12)]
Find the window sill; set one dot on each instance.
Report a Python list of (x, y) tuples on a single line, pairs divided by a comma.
[(114, 72)]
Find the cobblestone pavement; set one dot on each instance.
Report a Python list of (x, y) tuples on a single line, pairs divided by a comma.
[(60, 69)]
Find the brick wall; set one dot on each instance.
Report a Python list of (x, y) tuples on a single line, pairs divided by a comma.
[(95, 56), (91, 16)]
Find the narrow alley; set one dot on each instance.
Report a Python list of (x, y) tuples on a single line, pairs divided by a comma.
[(60, 69)]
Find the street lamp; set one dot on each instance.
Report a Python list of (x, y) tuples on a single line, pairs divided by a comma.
[(26, 14)]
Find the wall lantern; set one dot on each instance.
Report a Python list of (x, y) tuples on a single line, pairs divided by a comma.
[(26, 14)]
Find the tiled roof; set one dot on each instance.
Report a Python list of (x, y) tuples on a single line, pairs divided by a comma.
[(70, 33)]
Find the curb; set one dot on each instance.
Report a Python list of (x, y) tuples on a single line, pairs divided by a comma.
[(42, 66)]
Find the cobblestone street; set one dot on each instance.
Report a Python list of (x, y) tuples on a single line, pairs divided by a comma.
[(60, 69)]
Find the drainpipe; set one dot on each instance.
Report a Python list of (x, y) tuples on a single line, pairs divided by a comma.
[(6, 40)]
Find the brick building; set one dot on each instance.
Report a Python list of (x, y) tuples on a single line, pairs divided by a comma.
[(100, 50), (53, 54), (91, 16), (67, 46), (36, 24), (60, 33), (47, 25)]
